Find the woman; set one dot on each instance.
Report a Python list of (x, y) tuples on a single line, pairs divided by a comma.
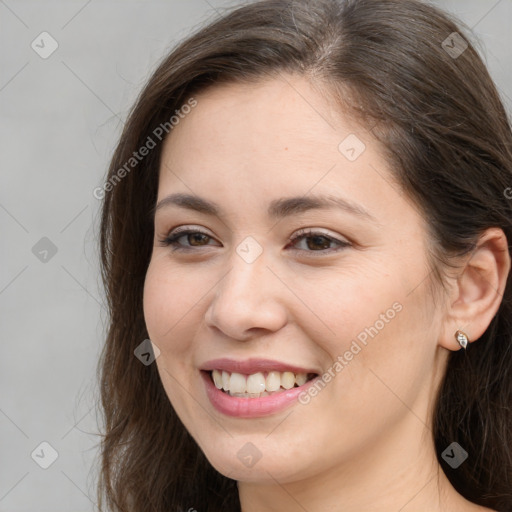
[(307, 214)]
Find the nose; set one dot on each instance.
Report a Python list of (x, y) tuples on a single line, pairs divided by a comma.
[(249, 301)]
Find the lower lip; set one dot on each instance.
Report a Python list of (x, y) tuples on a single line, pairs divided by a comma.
[(242, 407)]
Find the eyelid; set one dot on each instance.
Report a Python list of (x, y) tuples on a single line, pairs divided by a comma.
[(295, 234), (316, 231), (188, 227)]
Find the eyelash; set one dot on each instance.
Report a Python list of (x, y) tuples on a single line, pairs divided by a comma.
[(172, 240)]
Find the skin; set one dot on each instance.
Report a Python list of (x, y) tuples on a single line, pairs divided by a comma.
[(365, 441)]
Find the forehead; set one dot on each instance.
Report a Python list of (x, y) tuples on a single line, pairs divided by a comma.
[(269, 111), (260, 125), (271, 139)]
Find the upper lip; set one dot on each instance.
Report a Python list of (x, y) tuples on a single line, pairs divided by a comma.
[(250, 366)]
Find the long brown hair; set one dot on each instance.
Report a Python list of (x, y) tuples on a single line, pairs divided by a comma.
[(437, 112)]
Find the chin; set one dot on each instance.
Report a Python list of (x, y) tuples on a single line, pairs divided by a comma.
[(254, 459)]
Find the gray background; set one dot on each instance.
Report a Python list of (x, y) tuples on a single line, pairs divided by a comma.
[(60, 119)]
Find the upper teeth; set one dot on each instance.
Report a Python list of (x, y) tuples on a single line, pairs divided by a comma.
[(257, 382)]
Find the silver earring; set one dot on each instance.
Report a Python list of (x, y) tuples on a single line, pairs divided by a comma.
[(462, 338)]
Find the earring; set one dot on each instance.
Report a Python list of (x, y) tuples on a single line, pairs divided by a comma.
[(462, 338)]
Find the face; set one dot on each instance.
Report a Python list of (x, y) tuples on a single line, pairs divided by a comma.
[(274, 292)]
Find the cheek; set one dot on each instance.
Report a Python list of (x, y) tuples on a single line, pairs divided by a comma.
[(166, 302), (377, 322), (392, 368), (167, 311), (343, 302)]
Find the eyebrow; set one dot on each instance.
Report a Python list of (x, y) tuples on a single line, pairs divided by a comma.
[(278, 208)]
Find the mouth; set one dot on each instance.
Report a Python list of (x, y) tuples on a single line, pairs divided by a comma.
[(255, 388), (259, 384)]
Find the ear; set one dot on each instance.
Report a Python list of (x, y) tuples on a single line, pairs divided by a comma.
[(477, 290)]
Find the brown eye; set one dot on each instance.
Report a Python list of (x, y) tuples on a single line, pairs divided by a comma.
[(317, 242), (193, 238), (196, 238)]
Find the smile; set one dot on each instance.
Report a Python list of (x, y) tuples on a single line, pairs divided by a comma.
[(254, 388), (258, 384)]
